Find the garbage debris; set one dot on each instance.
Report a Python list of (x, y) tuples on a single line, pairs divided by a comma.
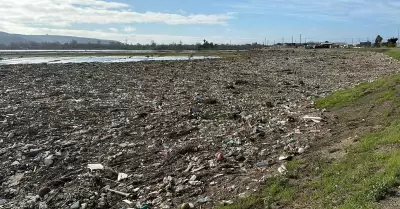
[(282, 169), (122, 176), (95, 167), (220, 156), (163, 122)]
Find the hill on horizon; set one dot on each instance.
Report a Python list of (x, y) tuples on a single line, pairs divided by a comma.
[(7, 38)]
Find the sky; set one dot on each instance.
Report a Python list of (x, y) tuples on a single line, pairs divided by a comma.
[(218, 21)]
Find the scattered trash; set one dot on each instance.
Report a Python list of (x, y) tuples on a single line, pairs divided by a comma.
[(220, 156), (49, 160), (76, 205), (126, 120), (117, 192), (315, 119), (95, 167), (122, 176), (261, 164), (15, 163), (226, 202), (128, 202), (285, 157), (203, 200), (282, 169), (145, 206)]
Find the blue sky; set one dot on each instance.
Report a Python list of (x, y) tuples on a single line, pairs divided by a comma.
[(190, 21)]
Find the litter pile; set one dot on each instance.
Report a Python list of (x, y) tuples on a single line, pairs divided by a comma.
[(164, 134)]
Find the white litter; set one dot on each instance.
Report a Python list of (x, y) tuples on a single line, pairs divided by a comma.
[(122, 176), (95, 167), (128, 202), (315, 119), (282, 169)]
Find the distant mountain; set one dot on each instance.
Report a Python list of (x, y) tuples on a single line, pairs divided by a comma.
[(7, 38)]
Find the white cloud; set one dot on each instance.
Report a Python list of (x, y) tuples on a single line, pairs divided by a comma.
[(68, 12), (113, 30), (331, 10), (129, 29), (132, 38)]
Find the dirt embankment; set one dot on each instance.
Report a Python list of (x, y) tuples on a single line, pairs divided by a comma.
[(198, 132)]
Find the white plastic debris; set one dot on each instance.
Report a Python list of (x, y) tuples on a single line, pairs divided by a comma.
[(128, 202), (301, 150), (95, 167), (122, 176), (49, 160), (284, 157), (315, 119), (282, 169)]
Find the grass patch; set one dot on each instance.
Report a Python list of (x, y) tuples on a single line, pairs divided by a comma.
[(395, 53), (278, 189), (384, 87), (364, 176)]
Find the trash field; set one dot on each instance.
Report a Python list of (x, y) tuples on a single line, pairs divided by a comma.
[(165, 134)]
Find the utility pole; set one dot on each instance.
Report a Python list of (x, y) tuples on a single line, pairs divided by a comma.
[(230, 41), (292, 39), (265, 41), (300, 39), (352, 41)]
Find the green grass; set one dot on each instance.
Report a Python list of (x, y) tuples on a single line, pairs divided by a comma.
[(395, 53), (383, 86), (368, 171), (364, 175)]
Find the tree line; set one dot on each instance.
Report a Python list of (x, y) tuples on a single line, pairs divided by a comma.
[(74, 45), (391, 42)]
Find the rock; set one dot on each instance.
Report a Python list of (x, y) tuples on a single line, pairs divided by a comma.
[(44, 191), (76, 205), (49, 160), (301, 150)]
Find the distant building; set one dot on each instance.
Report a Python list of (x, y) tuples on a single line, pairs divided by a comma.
[(365, 44), (324, 45)]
